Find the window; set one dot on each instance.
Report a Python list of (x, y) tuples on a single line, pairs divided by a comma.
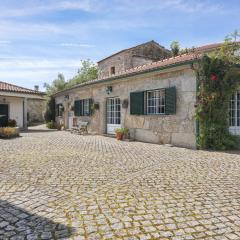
[(156, 101), (59, 110), (85, 107), (82, 107), (234, 113), (159, 101), (112, 70)]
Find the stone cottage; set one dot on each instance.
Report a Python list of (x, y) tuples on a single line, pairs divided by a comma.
[(24, 105), (142, 89)]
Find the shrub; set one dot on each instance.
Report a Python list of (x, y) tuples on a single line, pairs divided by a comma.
[(9, 132), (50, 110), (12, 123), (54, 125), (51, 125), (122, 130)]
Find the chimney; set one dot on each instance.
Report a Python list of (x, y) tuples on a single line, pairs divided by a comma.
[(36, 88)]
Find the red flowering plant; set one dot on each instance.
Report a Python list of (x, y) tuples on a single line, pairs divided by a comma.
[(214, 77)]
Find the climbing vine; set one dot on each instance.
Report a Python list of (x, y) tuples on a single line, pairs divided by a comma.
[(218, 77)]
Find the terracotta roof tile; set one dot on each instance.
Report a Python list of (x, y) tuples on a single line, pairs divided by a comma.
[(7, 87), (163, 63), (195, 54), (185, 58)]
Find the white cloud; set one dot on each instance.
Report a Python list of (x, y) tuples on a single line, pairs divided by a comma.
[(81, 45), (5, 42), (31, 8), (36, 64), (29, 78), (42, 7), (21, 30), (187, 6), (33, 71)]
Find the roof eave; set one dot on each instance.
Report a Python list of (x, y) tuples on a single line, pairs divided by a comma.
[(129, 75)]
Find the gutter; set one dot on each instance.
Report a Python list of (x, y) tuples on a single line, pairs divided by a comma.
[(127, 75)]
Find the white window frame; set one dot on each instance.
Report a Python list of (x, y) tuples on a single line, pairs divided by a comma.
[(234, 114), (114, 111), (156, 105), (85, 107)]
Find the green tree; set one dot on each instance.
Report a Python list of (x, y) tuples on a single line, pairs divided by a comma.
[(234, 36), (175, 48), (58, 84), (87, 71), (49, 115)]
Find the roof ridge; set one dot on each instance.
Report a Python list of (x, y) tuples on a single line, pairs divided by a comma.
[(127, 49), (192, 55), (9, 87), (18, 86)]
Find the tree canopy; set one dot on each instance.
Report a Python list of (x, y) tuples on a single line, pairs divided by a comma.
[(87, 71), (175, 48)]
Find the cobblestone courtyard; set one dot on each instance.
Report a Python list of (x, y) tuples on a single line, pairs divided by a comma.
[(54, 185)]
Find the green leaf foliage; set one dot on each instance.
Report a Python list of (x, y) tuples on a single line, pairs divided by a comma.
[(218, 76), (88, 71), (175, 48)]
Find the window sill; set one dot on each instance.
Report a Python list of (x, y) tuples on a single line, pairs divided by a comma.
[(155, 114)]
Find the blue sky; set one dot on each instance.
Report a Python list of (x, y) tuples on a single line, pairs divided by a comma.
[(40, 38)]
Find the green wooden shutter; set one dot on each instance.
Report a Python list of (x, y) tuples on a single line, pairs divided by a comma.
[(77, 108), (81, 107), (137, 103), (170, 100)]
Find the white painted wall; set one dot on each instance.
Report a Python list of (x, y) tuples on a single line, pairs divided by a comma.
[(15, 108)]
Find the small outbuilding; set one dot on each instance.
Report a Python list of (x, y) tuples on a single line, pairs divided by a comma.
[(21, 104)]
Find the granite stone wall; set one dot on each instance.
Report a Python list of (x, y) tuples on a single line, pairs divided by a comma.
[(178, 129), (133, 57), (35, 109)]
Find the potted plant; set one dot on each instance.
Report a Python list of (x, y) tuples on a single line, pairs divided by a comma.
[(120, 132), (95, 106)]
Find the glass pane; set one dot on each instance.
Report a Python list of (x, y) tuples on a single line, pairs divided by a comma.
[(156, 102)]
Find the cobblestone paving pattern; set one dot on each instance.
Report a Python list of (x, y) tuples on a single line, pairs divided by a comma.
[(55, 185)]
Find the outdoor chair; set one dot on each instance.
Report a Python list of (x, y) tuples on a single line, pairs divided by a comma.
[(80, 128)]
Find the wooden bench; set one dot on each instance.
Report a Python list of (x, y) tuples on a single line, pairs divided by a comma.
[(80, 128)]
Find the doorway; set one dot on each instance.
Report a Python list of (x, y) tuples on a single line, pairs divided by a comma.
[(113, 114), (3, 115)]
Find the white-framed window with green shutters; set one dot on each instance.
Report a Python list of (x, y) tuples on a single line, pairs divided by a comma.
[(153, 102), (82, 107)]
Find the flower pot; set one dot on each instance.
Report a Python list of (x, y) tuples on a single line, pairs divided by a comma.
[(119, 136)]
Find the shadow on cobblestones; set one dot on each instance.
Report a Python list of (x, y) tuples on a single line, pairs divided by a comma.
[(40, 130), (17, 223)]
